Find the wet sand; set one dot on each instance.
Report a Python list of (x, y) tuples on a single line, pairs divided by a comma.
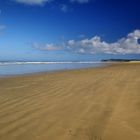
[(88, 104)]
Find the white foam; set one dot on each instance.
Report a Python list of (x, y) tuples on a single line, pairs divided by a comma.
[(68, 62)]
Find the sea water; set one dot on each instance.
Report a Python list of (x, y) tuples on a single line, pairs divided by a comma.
[(18, 68)]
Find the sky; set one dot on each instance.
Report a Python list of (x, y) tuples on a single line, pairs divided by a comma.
[(69, 30)]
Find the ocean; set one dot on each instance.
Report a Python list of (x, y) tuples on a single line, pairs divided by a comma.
[(19, 68)]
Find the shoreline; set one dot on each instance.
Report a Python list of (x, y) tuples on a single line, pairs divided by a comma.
[(56, 71), (108, 64)]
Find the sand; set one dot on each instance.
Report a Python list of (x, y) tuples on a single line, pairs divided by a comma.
[(88, 104)]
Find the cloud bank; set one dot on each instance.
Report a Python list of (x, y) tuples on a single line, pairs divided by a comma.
[(95, 45)]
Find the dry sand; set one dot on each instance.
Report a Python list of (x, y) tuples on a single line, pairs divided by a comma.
[(88, 104)]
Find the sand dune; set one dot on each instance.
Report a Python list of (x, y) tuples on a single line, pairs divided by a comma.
[(88, 104)]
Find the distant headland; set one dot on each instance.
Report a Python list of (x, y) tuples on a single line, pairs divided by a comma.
[(120, 60)]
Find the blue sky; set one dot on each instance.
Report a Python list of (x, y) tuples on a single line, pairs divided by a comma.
[(65, 30)]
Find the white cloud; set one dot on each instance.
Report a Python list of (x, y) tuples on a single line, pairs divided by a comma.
[(80, 1), (64, 8), (32, 2), (47, 47), (2, 27), (94, 45), (41, 2)]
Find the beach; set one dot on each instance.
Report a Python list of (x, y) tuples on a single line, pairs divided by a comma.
[(85, 104)]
